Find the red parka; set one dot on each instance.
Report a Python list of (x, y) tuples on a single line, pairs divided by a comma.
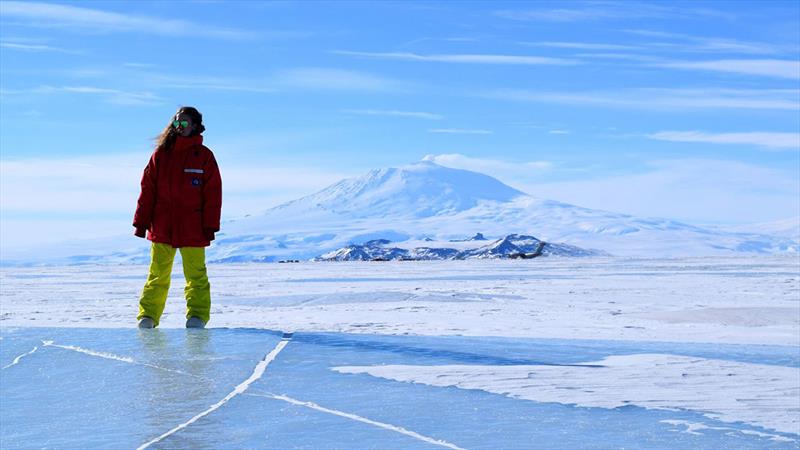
[(181, 198)]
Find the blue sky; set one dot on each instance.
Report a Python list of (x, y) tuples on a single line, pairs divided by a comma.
[(686, 110)]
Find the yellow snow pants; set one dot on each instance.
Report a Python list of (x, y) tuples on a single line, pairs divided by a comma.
[(197, 291)]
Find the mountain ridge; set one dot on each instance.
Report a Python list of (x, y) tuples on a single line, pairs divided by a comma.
[(426, 201), (397, 192), (511, 246)]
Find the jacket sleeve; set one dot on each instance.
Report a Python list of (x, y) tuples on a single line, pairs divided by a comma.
[(212, 195), (143, 217)]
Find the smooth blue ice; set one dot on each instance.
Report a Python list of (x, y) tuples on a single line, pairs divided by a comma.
[(139, 385)]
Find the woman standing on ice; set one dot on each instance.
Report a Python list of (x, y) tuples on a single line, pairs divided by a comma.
[(179, 207)]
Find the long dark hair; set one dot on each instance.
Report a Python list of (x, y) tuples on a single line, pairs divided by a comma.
[(166, 139)]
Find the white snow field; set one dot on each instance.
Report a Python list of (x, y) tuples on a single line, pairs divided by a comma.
[(545, 353)]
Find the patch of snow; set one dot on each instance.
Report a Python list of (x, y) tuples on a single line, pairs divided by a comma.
[(720, 300), (729, 391)]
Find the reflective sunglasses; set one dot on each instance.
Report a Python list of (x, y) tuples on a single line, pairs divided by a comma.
[(180, 123)]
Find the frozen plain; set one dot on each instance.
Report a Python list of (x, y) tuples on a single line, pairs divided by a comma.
[(544, 353)]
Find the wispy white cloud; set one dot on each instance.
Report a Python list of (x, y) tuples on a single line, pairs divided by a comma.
[(138, 65), (549, 127), (660, 98), (464, 58), (98, 72), (206, 83), (99, 184), (108, 185), (778, 68), (459, 131), (678, 43), (66, 16), (710, 44), (518, 171), (641, 58), (760, 139), (115, 96), (150, 76), (567, 15), (700, 190), (685, 189), (56, 200), (317, 78), (395, 113), (461, 39), (581, 45), (155, 82), (339, 80), (589, 11), (774, 68), (25, 47), (430, 39)]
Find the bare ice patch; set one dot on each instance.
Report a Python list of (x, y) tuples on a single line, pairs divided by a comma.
[(239, 389), (729, 391)]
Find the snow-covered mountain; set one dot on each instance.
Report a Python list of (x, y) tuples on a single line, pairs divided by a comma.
[(787, 228), (419, 190), (425, 205), (423, 202)]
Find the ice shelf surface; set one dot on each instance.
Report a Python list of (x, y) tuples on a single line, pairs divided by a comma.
[(249, 388)]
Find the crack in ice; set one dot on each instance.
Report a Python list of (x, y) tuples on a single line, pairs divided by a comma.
[(125, 359), (257, 373), (358, 418), (18, 358)]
